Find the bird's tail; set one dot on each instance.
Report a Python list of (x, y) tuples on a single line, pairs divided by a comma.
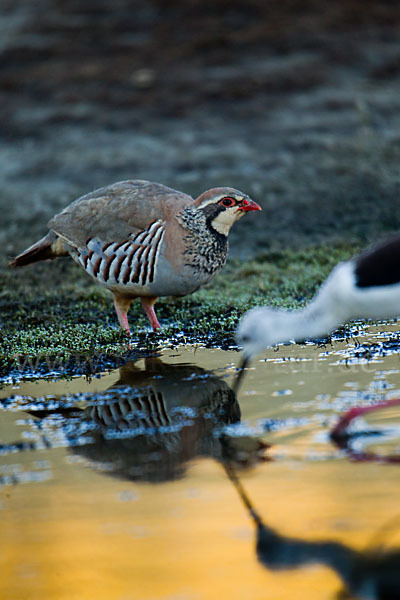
[(49, 247)]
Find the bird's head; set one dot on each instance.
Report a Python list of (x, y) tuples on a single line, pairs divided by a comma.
[(223, 206), (261, 328)]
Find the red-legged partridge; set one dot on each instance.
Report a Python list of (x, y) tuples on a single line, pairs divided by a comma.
[(144, 240)]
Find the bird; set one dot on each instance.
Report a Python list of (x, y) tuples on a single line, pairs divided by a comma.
[(141, 239), (364, 287)]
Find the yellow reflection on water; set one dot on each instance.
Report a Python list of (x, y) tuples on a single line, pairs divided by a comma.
[(72, 531)]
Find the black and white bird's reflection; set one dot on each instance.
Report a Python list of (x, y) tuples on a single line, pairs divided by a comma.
[(370, 575), (154, 420)]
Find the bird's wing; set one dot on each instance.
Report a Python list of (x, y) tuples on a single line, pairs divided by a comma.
[(115, 212)]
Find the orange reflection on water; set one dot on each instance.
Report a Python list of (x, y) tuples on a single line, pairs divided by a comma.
[(80, 532)]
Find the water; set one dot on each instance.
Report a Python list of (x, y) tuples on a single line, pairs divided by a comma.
[(142, 484)]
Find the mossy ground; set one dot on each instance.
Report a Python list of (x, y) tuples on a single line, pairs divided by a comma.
[(53, 318), (298, 106)]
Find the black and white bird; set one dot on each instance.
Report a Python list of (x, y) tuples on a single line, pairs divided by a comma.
[(366, 287)]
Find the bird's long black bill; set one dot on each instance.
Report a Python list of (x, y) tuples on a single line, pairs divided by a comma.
[(230, 471), (239, 374)]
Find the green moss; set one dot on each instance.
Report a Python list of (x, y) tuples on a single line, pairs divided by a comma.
[(52, 317)]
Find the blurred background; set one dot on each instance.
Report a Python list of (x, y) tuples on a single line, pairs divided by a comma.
[(294, 102)]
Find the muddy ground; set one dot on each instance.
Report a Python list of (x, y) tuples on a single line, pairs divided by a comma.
[(296, 103)]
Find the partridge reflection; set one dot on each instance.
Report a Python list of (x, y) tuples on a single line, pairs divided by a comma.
[(154, 420)]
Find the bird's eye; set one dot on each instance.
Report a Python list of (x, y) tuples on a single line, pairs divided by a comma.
[(227, 202), (244, 339)]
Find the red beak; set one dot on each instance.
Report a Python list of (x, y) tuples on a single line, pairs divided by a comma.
[(249, 205)]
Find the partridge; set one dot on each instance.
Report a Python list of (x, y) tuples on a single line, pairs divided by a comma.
[(144, 240)]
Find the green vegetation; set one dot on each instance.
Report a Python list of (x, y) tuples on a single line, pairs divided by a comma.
[(53, 317)]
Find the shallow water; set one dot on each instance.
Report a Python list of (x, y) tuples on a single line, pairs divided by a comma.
[(138, 484)]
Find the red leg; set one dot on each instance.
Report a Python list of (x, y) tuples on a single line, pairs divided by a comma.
[(341, 426), (148, 304), (121, 308)]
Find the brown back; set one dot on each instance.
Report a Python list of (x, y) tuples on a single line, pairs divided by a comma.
[(114, 212)]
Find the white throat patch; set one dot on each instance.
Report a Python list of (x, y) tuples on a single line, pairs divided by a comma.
[(224, 220)]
